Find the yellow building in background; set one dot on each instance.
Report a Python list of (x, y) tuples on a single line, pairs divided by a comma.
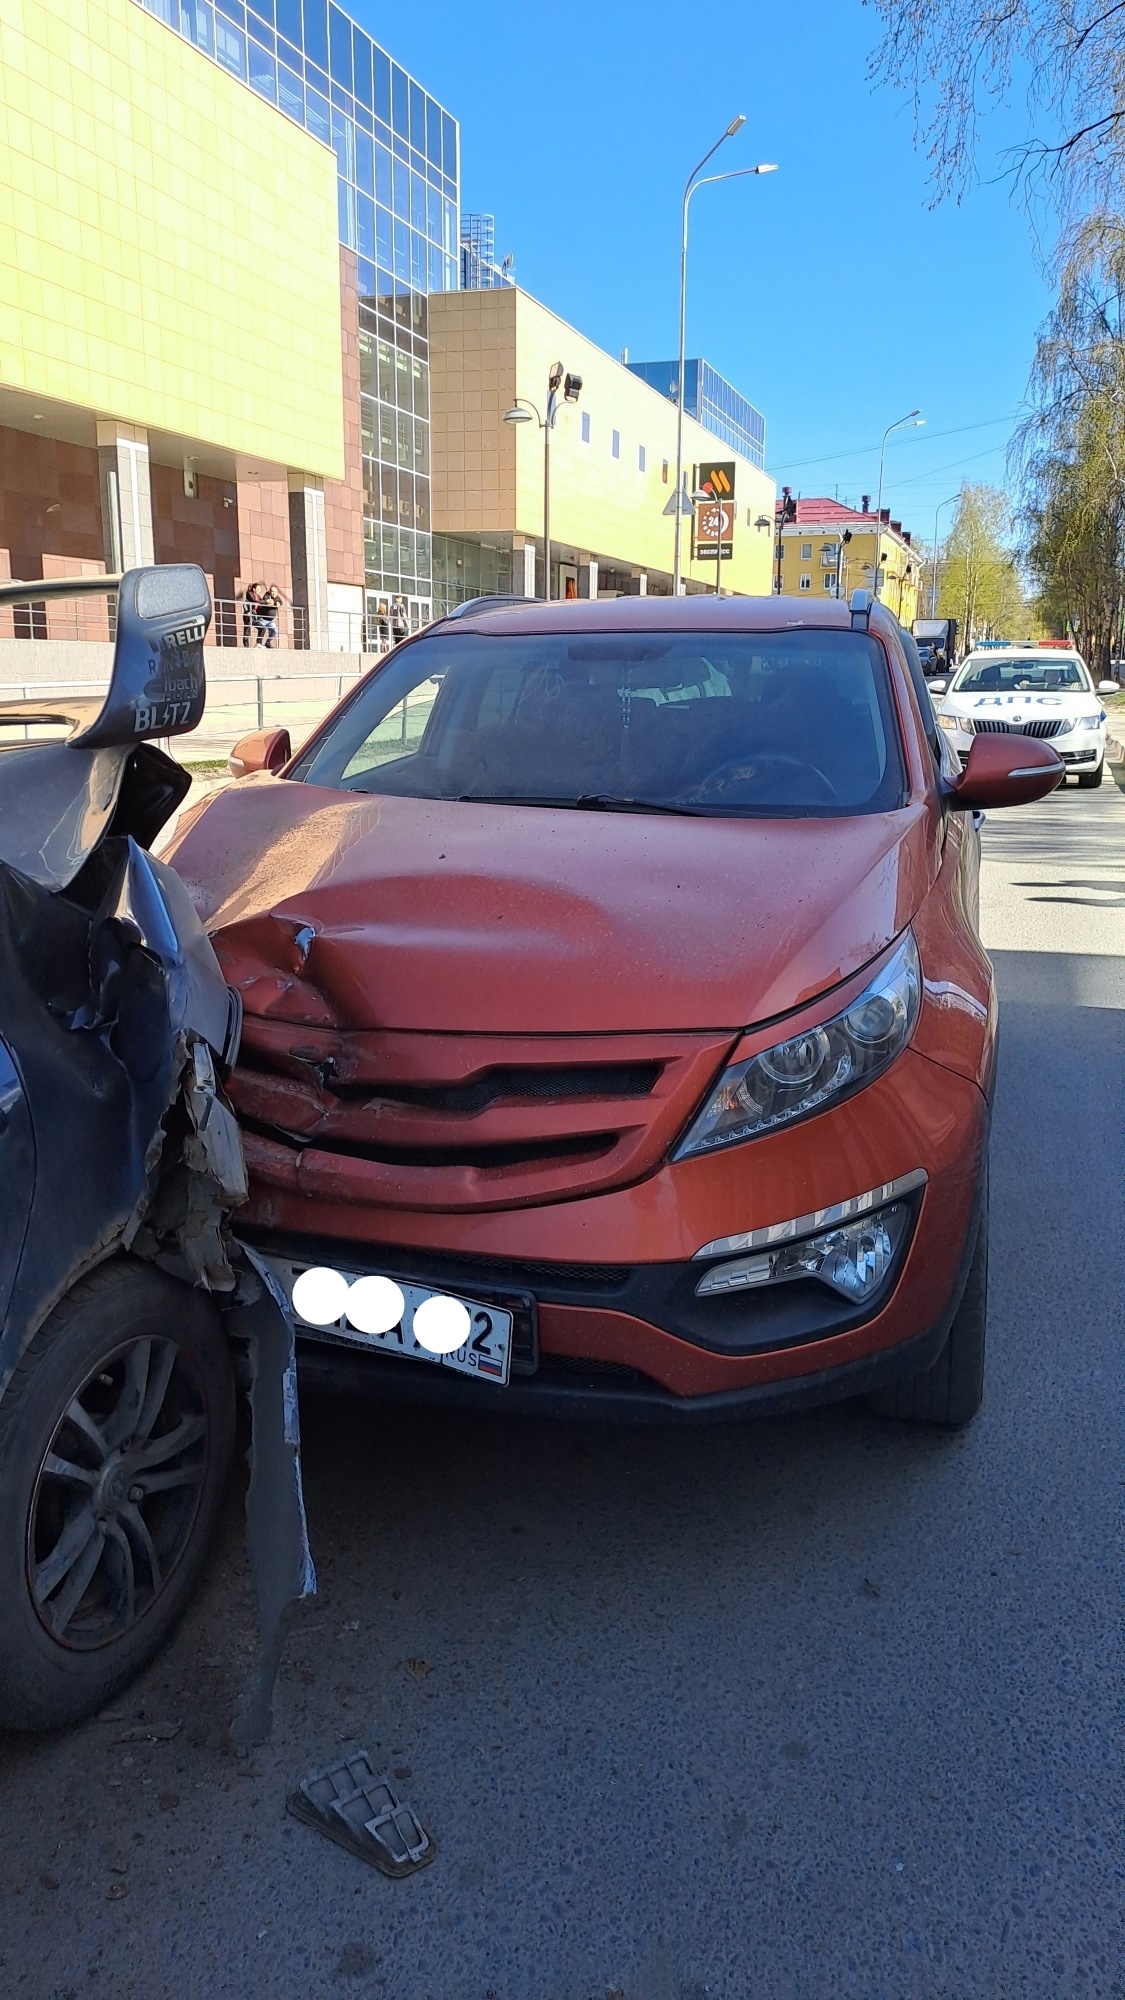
[(829, 550), (612, 474)]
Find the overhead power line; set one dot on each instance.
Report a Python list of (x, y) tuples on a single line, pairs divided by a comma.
[(832, 457)]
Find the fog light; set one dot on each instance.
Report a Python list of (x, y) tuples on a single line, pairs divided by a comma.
[(854, 1259)]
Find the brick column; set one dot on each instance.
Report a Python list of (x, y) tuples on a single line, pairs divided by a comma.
[(263, 538), (343, 498), (308, 553), (126, 495)]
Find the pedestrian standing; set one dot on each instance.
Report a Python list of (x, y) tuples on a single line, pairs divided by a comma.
[(250, 602), (266, 616), (400, 621)]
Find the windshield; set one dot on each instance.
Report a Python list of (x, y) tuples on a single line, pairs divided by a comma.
[(1039, 673), (763, 724)]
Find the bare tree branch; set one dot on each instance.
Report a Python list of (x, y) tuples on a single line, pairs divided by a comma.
[(1066, 58)]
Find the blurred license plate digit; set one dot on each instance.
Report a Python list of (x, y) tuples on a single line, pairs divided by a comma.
[(486, 1353)]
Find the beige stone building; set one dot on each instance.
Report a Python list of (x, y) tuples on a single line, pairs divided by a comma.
[(612, 471)]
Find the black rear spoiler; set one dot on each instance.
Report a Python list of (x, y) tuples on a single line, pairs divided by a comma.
[(157, 686)]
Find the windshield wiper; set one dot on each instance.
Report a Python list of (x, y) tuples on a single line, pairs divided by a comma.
[(585, 802)]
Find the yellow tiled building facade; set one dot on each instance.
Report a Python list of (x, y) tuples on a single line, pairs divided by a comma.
[(170, 307), (167, 243)]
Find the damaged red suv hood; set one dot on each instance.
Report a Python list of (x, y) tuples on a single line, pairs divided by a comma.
[(420, 914)]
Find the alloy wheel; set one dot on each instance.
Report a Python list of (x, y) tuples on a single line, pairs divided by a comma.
[(117, 1493)]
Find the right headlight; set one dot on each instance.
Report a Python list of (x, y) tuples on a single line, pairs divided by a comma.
[(953, 725), (816, 1068)]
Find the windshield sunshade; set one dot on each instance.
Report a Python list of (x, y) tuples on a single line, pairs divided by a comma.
[(748, 724)]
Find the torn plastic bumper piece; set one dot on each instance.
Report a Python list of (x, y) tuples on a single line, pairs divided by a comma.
[(364, 1813), (277, 1535)]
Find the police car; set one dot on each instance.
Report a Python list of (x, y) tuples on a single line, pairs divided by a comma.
[(1043, 691)]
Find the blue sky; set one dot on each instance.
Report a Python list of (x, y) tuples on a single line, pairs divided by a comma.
[(831, 293)]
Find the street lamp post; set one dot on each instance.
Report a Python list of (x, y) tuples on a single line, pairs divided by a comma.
[(940, 508), (690, 186), (522, 412), (912, 417)]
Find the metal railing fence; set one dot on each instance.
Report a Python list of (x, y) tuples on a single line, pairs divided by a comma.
[(236, 704), (233, 625)]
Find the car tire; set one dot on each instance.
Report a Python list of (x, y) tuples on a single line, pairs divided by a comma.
[(1089, 780), (116, 1437), (951, 1390)]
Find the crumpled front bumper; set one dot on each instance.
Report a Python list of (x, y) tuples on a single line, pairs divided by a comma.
[(628, 1334)]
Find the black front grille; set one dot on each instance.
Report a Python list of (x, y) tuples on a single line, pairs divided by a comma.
[(504, 1153), (1045, 727), (559, 1275), (515, 1086)]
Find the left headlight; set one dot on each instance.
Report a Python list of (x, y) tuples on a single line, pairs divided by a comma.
[(1089, 721), (818, 1067)]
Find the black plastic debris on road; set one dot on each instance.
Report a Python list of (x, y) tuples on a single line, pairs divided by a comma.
[(364, 1813)]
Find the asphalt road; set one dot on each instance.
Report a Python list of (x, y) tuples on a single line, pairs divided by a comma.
[(808, 1709)]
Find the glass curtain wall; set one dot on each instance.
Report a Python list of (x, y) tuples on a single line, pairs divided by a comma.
[(464, 569), (397, 164), (712, 401)]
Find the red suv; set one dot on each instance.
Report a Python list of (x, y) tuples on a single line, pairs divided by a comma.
[(617, 1032)]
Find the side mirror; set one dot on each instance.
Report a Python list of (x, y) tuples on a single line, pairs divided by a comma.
[(262, 750), (157, 685), (1109, 687), (937, 687), (1006, 771)]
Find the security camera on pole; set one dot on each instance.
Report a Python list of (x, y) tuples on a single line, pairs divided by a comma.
[(522, 412)]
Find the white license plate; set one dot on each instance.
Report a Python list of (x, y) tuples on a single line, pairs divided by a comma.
[(487, 1353)]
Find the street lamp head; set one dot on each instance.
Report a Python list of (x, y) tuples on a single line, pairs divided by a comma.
[(554, 379), (572, 388), (766, 167), (517, 416), (736, 125)]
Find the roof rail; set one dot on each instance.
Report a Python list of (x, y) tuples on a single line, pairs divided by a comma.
[(861, 610), (473, 606)]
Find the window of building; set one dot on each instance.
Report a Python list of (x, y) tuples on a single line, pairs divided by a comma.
[(615, 445), (806, 551), (640, 458), (830, 581), (397, 160), (806, 583), (585, 426)]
